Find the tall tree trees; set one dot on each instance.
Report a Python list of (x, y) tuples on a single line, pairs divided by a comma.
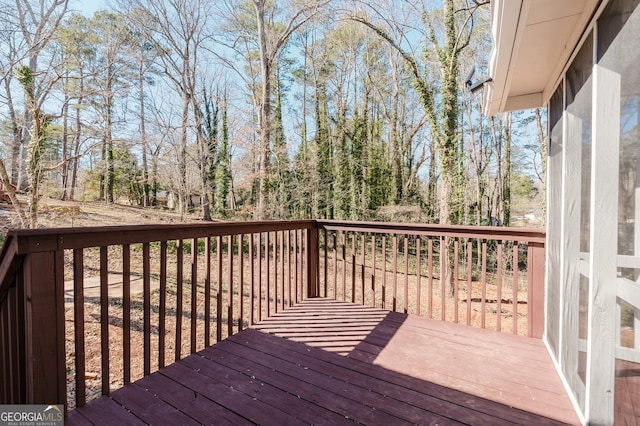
[(439, 88), (38, 23), (31, 26), (111, 76), (76, 43), (274, 23), (178, 29), (335, 117)]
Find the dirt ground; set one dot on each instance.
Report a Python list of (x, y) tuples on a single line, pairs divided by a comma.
[(68, 214)]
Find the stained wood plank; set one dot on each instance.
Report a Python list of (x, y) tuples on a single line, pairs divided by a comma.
[(74, 418), (372, 379), (200, 408), (340, 403), (394, 382), (236, 401), (105, 411), (357, 392), (284, 371), (149, 408), (526, 390), (283, 399)]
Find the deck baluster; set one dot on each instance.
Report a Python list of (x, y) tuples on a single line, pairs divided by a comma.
[(394, 305), (430, 280), (179, 283), (207, 292), (162, 324), (469, 278), (78, 319), (483, 303), (219, 290), (146, 298), (104, 320), (406, 276), (418, 273), (515, 287), (456, 278), (241, 283), (499, 287), (194, 293), (230, 285)]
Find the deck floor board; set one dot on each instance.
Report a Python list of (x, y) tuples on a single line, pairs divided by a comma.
[(328, 362)]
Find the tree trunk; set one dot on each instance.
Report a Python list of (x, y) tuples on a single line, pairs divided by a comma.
[(15, 132), (11, 192), (64, 154), (77, 139), (396, 157), (506, 181), (203, 162), (103, 163), (542, 141), (110, 170), (143, 137), (265, 113), (182, 158), (28, 123)]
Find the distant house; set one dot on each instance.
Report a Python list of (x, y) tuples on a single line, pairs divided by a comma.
[(170, 199), (581, 59)]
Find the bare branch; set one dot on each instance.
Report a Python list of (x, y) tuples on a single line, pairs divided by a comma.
[(426, 92)]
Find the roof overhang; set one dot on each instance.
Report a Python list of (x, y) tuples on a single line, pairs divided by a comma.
[(532, 42)]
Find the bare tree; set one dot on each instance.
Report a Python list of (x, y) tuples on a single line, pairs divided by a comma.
[(38, 24), (178, 30), (438, 88), (30, 27), (12, 49), (272, 25)]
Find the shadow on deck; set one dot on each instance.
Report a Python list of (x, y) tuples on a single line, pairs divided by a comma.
[(329, 362)]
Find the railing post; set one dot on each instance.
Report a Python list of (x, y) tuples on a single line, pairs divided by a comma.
[(44, 321), (313, 254), (535, 289)]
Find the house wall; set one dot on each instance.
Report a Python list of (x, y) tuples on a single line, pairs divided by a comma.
[(593, 265)]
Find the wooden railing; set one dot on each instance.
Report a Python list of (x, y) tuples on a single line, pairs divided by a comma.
[(84, 311), (487, 277)]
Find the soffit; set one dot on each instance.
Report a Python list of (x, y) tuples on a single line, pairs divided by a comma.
[(533, 40)]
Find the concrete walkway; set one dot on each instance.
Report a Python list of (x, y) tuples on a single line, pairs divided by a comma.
[(92, 287)]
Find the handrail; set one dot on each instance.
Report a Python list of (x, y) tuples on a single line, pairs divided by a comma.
[(46, 239), (534, 235), (448, 258), (243, 272)]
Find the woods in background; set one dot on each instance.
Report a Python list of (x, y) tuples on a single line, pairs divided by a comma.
[(258, 109)]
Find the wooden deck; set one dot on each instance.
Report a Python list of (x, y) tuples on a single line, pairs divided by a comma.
[(328, 362), (627, 391)]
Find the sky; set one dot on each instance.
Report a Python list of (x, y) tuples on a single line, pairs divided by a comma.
[(88, 7)]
